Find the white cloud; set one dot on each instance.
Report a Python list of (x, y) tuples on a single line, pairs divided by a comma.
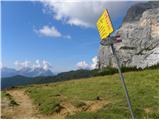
[(94, 62), (37, 64), (49, 31), (22, 64), (46, 65), (84, 65), (84, 13)]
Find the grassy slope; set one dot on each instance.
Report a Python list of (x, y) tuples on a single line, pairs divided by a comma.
[(142, 87)]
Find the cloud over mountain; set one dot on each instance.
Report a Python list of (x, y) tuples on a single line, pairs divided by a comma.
[(37, 64), (29, 69)]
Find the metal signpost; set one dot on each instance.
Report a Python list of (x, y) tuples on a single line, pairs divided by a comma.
[(105, 28)]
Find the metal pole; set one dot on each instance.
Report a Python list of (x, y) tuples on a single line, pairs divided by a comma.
[(123, 82)]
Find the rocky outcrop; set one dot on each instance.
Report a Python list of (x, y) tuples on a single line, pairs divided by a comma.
[(135, 12), (140, 38)]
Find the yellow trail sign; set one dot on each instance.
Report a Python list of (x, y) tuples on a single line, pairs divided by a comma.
[(104, 25)]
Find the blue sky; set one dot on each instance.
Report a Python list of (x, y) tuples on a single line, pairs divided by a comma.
[(44, 31)]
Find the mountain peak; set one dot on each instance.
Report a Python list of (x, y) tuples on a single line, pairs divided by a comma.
[(135, 12), (26, 71)]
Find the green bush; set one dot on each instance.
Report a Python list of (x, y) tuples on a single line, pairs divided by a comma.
[(111, 70), (106, 71)]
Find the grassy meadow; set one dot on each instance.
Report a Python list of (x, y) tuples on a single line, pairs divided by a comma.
[(142, 86)]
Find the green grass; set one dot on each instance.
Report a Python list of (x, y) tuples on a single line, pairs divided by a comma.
[(3, 94), (142, 87)]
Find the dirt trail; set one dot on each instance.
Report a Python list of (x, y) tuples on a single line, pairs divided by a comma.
[(95, 105), (25, 109)]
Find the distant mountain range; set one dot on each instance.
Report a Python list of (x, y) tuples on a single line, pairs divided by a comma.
[(18, 80), (26, 71)]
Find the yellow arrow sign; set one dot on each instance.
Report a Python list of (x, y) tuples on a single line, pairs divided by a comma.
[(104, 25)]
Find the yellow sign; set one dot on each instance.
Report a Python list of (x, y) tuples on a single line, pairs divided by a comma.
[(104, 25)]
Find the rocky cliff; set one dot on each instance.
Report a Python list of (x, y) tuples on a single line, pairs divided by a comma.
[(140, 38)]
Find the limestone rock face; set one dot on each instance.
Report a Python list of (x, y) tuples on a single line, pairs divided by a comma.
[(140, 38)]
